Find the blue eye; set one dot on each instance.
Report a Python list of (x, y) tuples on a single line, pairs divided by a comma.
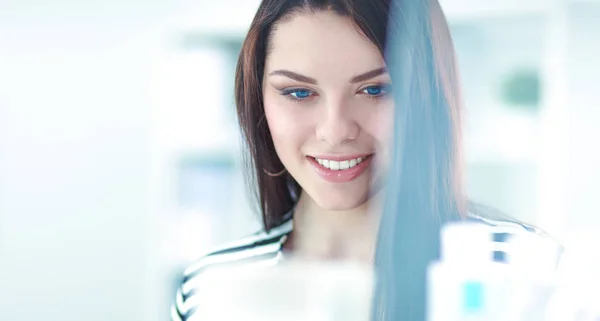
[(297, 94), (301, 94), (375, 91)]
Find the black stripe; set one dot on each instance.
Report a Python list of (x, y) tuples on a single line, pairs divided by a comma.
[(181, 316), (262, 257), (236, 249), (248, 246), (190, 313)]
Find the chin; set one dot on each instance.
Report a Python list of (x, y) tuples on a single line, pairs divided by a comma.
[(331, 202)]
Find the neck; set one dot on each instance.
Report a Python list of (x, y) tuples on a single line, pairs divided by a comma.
[(335, 235)]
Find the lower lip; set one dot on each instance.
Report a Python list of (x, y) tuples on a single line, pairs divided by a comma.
[(340, 176)]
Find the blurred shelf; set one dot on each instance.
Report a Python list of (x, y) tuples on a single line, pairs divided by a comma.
[(465, 10), (225, 18), (473, 10)]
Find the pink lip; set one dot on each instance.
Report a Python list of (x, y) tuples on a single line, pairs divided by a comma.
[(341, 158), (341, 176)]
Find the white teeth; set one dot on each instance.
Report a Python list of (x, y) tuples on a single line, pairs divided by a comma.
[(341, 165), (344, 165), (334, 165)]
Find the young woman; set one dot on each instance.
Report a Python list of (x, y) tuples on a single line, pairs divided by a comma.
[(314, 102)]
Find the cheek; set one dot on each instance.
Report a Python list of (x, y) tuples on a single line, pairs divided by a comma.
[(289, 128), (380, 126), (386, 127)]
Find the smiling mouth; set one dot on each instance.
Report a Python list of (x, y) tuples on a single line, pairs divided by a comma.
[(340, 165), (340, 169)]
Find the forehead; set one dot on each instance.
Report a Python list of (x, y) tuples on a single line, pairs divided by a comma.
[(321, 43)]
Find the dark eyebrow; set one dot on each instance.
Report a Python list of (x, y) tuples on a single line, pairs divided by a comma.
[(298, 77), (369, 74), (294, 76)]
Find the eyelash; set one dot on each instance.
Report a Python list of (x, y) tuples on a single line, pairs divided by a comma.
[(288, 92), (385, 91)]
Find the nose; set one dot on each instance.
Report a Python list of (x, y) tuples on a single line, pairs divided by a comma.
[(338, 125)]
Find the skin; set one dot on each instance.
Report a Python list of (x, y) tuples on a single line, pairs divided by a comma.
[(331, 114)]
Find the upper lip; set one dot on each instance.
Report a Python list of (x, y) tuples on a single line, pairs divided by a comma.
[(341, 157)]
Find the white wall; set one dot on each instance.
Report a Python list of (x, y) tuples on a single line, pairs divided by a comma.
[(76, 232), (583, 76), (500, 140)]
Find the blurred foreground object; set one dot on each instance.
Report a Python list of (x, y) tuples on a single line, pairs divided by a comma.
[(291, 291), (470, 283), (577, 296)]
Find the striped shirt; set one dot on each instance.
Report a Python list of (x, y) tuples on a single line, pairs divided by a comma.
[(265, 249)]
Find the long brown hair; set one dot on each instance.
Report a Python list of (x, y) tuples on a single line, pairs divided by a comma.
[(426, 180)]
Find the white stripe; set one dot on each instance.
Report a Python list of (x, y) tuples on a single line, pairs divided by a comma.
[(230, 257), (275, 232), (282, 229), (195, 317), (195, 300), (174, 315), (267, 263), (179, 302)]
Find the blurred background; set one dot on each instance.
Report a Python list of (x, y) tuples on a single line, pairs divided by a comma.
[(119, 149)]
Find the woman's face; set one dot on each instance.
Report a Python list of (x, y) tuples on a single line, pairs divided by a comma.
[(328, 107)]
